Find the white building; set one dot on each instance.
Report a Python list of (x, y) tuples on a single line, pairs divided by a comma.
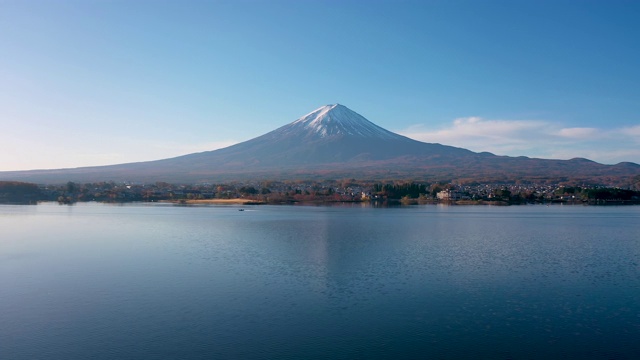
[(448, 195)]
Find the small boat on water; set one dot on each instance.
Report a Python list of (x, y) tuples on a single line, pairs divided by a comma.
[(240, 209)]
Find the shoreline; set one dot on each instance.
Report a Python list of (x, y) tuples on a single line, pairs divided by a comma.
[(235, 201), (387, 202)]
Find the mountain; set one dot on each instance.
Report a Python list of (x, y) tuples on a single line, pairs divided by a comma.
[(336, 142), (332, 134)]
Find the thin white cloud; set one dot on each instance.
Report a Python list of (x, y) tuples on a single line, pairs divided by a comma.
[(579, 133), (474, 127), (633, 131), (534, 138)]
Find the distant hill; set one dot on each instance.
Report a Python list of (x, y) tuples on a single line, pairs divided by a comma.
[(335, 142)]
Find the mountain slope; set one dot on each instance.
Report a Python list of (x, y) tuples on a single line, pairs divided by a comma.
[(332, 133), (334, 141)]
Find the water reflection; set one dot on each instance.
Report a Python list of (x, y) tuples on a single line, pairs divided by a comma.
[(316, 282)]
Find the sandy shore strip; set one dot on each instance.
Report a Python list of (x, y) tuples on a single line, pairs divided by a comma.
[(218, 202)]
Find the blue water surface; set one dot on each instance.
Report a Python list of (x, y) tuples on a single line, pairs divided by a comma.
[(144, 281)]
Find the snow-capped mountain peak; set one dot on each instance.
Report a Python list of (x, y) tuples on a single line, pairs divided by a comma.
[(336, 120)]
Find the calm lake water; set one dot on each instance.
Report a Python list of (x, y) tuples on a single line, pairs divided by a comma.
[(95, 281)]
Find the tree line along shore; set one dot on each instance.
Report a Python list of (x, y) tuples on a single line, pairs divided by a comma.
[(326, 191)]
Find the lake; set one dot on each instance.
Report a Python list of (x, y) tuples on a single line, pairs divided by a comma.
[(158, 281)]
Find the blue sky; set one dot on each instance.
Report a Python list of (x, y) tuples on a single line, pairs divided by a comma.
[(102, 82)]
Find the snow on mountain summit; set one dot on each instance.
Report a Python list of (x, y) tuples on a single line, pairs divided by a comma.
[(335, 120)]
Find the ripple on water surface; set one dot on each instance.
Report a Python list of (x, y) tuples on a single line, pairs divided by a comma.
[(319, 282)]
